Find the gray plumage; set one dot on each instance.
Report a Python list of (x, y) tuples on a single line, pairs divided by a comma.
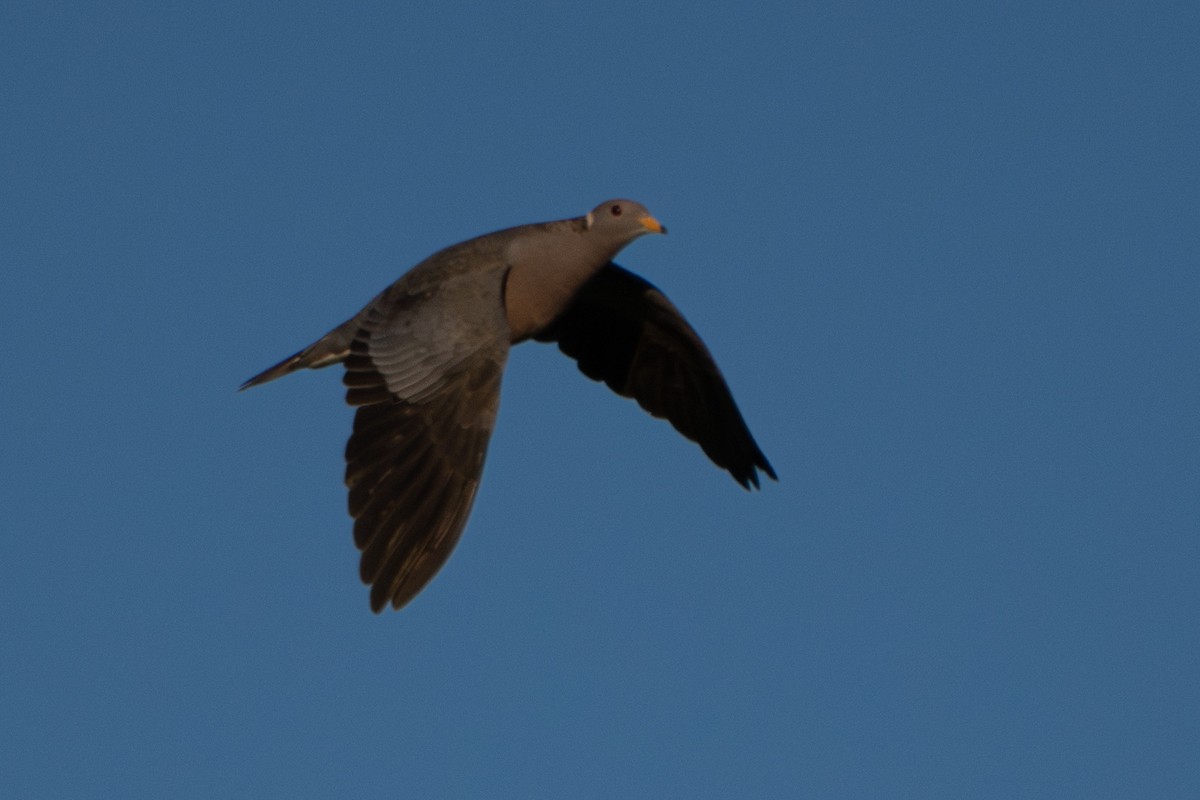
[(424, 360)]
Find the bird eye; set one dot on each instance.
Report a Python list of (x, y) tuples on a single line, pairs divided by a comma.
[(615, 211)]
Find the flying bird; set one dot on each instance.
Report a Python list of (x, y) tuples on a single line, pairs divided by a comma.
[(424, 359)]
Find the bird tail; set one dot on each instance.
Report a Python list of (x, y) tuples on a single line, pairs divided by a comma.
[(332, 348)]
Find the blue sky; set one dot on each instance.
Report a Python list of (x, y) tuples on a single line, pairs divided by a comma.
[(946, 255)]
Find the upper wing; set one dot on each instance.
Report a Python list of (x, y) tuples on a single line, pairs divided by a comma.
[(424, 368), (624, 331)]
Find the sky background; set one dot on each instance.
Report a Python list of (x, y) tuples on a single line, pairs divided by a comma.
[(946, 255)]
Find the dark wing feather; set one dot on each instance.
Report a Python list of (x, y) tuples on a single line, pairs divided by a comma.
[(625, 332), (426, 378), (412, 469)]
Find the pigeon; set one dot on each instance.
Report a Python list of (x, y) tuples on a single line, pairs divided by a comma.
[(424, 359)]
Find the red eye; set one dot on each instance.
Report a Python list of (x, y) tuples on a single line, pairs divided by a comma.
[(615, 211)]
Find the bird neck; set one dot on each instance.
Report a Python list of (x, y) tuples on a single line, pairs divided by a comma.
[(546, 273)]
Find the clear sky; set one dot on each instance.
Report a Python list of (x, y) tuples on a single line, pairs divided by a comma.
[(945, 253)]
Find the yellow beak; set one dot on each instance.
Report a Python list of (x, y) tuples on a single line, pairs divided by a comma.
[(652, 225)]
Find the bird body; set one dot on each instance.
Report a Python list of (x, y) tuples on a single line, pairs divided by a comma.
[(424, 361)]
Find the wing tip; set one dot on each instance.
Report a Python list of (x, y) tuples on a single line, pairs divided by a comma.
[(748, 476), (767, 469)]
